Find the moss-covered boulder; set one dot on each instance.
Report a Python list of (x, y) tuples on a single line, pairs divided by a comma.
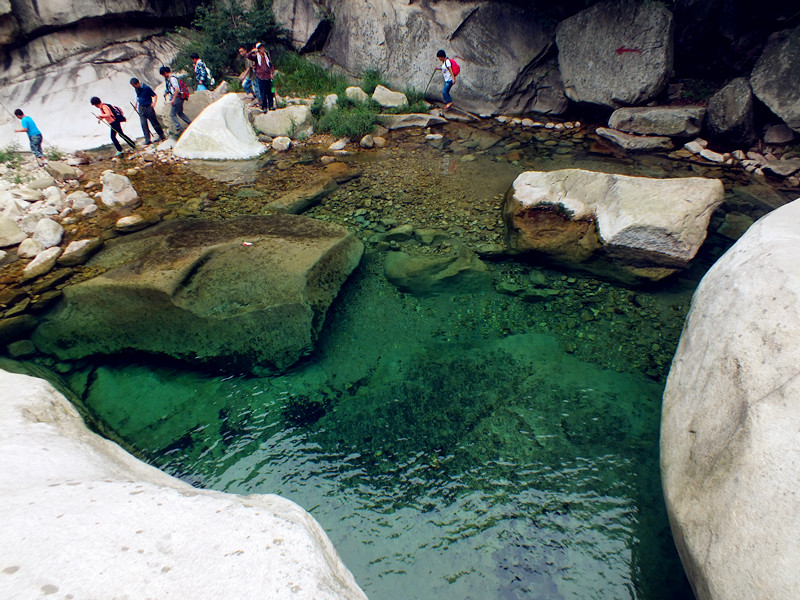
[(249, 292)]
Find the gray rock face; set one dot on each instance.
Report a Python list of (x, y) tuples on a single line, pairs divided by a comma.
[(55, 468), (501, 47), (648, 228), (616, 53), (776, 79), (192, 290), (635, 143), (730, 113), (672, 121), (729, 454)]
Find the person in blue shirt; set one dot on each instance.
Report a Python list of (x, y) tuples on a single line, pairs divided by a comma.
[(34, 135), (146, 107), (201, 73)]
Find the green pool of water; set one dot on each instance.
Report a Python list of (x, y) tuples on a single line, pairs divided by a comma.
[(467, 445)]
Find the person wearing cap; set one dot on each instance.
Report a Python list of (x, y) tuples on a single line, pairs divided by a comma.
[(146, 107), (264, 74)]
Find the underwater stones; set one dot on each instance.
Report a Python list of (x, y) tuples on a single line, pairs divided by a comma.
[(299, 200), (221, 132), (646, 228), (426, 275), (729, 454), (142, 520), (194, 290), (118, 191)]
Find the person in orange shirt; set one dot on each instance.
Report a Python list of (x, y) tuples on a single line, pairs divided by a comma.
[(114, 118)]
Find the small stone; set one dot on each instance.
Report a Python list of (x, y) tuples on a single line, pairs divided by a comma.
[(367, 141), (42, 264), (281, 143), (340, 144)]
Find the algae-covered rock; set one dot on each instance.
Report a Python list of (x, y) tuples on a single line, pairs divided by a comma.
[(424, 275), (249, 292)]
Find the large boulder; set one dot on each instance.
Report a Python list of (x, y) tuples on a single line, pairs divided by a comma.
[(89, 520), (221, 132), (616, 53), (633, 228), (672, 121), (730, 459), (291, 121), (730, 113), (197, 102), (503, 48), (248, 292), (388, 98), (776, 78)]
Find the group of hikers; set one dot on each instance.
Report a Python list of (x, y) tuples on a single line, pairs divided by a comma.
[(257, 80)]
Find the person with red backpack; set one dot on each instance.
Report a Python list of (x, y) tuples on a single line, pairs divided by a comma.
[(176, 93), (114, 117), (450, 70)]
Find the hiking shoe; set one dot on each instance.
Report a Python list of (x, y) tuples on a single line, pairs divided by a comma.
[(118, 153)]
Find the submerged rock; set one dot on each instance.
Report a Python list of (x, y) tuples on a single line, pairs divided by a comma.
[(249, 292), (647, 228), (424, 275), (729, 428), (141, 519)]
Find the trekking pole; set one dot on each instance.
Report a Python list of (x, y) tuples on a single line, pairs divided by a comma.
[(136, 110), (130, 142), (425, 91)]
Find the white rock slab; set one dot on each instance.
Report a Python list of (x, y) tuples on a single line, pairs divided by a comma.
[(89, 520), (730, 458), (221, 132)]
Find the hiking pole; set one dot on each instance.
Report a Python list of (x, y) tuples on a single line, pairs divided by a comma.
[(136, 110), (425, 91), (130, 142)]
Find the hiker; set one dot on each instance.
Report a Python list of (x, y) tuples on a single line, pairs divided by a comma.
[(34, 136), (201, 73), (264, 73), (114, 118), (176, 98), (248, 76), (449, 79), (146, 108)]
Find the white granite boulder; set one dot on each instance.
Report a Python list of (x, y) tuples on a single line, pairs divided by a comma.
[(387, 98), (118, 191), (627, 227), (77, 252), (10, 232), (89, 520), (356, 94), (79, 200), (730, 458), (221, 132), (291, 121), (43, 263), (48, 233), (29, 248)]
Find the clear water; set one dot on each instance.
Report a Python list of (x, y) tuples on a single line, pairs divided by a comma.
[(469, 445)]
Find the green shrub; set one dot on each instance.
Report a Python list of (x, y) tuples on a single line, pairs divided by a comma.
[(53, 153), (220, 27), (297, 76), (353, 122), (11, 156), (372, 78)]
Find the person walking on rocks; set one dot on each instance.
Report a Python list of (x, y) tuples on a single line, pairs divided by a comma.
[(176, 96), (114, 117), (146, 108), (449, 78), (264, 74), (201, 73), (248, 76), (34, 136)]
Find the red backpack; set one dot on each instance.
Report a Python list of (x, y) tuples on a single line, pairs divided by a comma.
[(454, 67), (183, 89)]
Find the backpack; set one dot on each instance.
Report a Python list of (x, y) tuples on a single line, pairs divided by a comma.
[(454, 67), (183, 90), (117, 112)]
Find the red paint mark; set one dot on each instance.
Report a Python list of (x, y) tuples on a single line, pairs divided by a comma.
[(622, 50)]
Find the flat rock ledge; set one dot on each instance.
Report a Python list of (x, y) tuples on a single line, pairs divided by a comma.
[(88, 520), (730, 425)]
